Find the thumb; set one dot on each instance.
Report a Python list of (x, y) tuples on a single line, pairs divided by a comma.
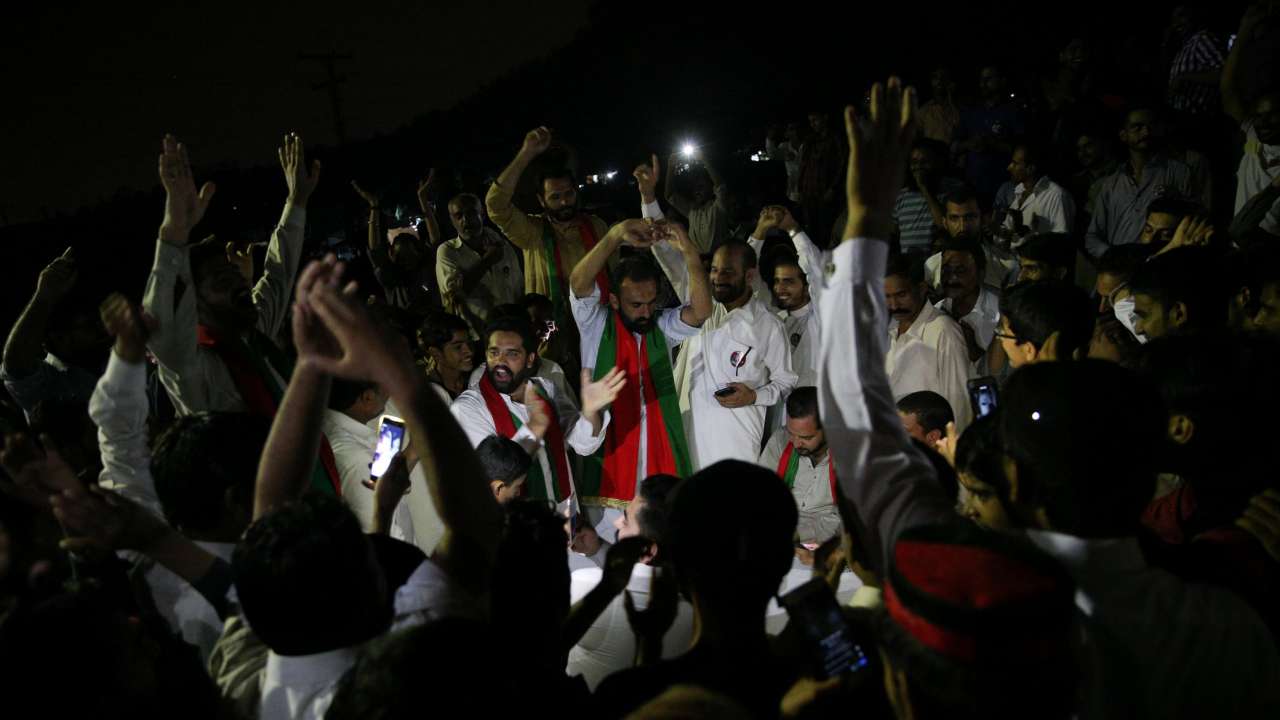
[(315, 168), (206, 193)]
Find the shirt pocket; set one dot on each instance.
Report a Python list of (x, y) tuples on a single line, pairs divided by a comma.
[(729, 360)]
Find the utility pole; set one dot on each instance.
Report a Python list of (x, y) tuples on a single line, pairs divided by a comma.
[(333, 84)]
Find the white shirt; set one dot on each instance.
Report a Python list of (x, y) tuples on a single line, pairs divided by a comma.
[(548, 370), (803, 326), (591, 317), (819, 517), (301, 687), (1048, 207), (119, 407), (609, 645), (931, 355), (353, 443), (503, 283), (430, 594), (427, 526), (473, 415), (1259, 165)]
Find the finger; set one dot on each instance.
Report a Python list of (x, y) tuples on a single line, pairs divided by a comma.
[(909, 112), (877, 104), (854, 135), (368, 483), (653, 158)]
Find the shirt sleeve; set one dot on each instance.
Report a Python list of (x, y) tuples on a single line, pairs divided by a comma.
[(651, 211), (28, 390), (888, 482), (522, 230), (953, 373), (473, 416), (777, 357), (119, 408), (675, 329), (810, 259), (271, 294), (590, 317), (577, 429), (174, 308), (772, 452), (672, 263), (447, 268)]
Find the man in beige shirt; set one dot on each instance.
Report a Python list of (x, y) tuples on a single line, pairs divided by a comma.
[(799, 455), (478, 270), (555, 241)]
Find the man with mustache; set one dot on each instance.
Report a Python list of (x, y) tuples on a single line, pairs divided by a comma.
[(634, 333), (967, 299), (512, 402), (554, 242), (926, 347), (477, 270)]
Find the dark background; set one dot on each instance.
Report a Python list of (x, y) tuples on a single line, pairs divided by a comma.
[(92, 88)]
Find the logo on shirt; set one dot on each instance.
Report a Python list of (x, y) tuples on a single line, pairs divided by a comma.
[(734, 358), (795, 339)]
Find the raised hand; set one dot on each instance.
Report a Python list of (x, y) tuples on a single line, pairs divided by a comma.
[(786, 221), (184, 206), (677, 235), (1191, 231), (104, 520), (621, 560), (878, 159), (539, 418), (353, 346), (242, 258), (536, 142), (769, 219), (128, 325), (34, 474), (58, 277), (426, 187), (634, 233), (369, 198), (647, 179), (598, 395), (946, 446), (302, 179)]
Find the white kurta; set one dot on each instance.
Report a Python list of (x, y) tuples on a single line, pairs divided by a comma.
[(353, 443)]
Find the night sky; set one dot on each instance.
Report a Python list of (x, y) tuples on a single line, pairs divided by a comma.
[(93, 87)]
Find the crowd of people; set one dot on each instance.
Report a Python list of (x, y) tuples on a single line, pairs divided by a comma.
[(969, 417)]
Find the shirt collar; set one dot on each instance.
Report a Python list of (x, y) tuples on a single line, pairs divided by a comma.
[(927, 314)]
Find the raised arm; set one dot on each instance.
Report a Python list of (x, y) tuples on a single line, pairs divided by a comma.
[(1231, 83), (517, 226), (174, 343), (675, 199), (425, 189), (808, 255), (24, 350), (700, 305), (888, 482), (289, 456), (119, 407), (636, 233), (458, 486), (284, 252)]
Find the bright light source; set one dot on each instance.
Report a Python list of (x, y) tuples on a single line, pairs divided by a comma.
[(610, 175), (1035, 415), (688, 150)]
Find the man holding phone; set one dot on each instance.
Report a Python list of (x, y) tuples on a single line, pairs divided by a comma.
[(799, 456), (346, 424)]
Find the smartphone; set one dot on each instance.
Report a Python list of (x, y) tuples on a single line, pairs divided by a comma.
[(724, 392), (391, 436), (983, 395), (814, 609)]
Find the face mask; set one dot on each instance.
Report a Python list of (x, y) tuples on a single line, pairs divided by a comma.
[(1125, 314)]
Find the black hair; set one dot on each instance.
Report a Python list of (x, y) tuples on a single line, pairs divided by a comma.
[(637, 269), (518, 324), (1033, 153), (386, 682), (554, 173), (307, 580), (1036, 310), (932, 411), (1124, 260), (745, 251), (1175, 206), (530, 588), (344, 393), (978, 452), (1092, 472), (906, 265), (963, 195), (466, 197), (1187, 275), (204, 459), (936, 148), (803, 403), (1253, 269), (1057, 250), (438, 329), (503, 459), (730, 534), (968, 245), (656, 491)]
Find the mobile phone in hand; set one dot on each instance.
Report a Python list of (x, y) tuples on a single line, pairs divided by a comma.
[(983, 395), (813, 608), (725, 391), (391, 435)]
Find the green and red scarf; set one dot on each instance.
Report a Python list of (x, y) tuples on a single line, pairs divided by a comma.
[(250, 362), (609, 475), (506, 423), (790, 462), (557, 273)]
